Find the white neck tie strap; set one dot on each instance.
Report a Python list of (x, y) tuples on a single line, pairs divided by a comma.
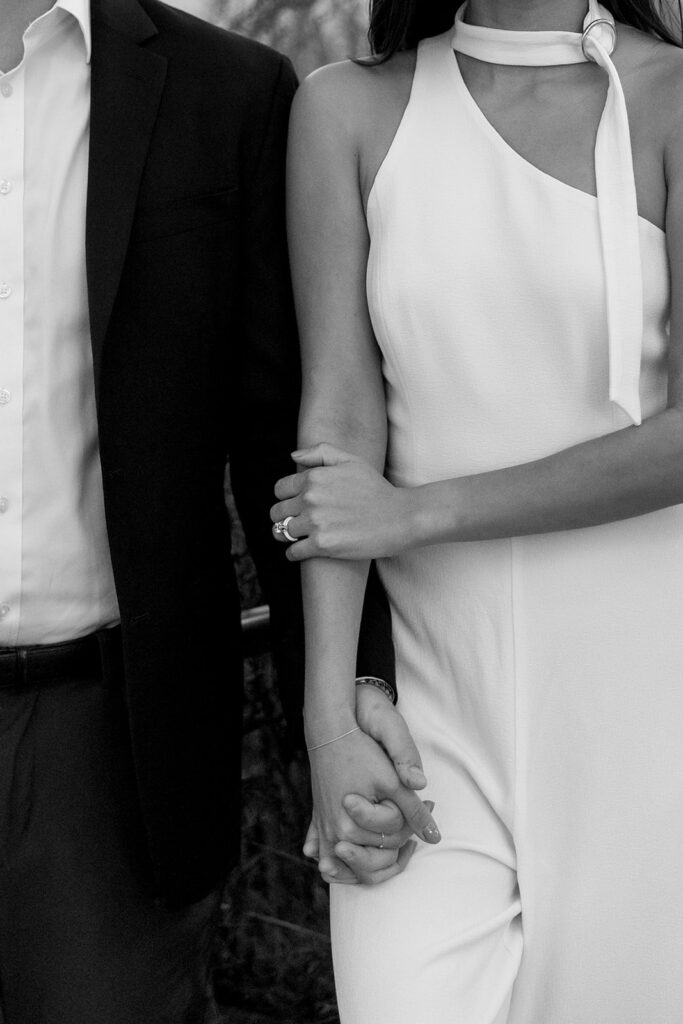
[(616, 189)]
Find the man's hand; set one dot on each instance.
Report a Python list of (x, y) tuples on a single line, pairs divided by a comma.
[(378, 717), (378, 844)]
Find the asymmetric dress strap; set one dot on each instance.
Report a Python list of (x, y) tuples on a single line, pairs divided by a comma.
[(616, 190)]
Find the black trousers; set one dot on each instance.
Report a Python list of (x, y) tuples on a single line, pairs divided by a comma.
[(82, 940)]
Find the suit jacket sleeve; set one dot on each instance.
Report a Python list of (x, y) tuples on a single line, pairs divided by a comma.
[(264, 405)]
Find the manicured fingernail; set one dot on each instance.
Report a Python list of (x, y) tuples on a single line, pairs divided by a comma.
[(417, 777), (429, 804), (300, 451), (431, 834)]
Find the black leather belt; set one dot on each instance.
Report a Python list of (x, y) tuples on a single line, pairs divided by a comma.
[(96, 655)]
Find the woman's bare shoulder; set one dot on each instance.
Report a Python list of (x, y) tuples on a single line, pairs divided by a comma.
[(665, 83), (357, 96), (652, 70)]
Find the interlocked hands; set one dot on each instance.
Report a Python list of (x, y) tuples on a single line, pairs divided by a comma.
[(372, 841)]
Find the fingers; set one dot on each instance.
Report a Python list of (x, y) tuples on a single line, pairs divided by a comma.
[(289, 486), (379, 839), (282, 509), (335, 872), (371, 866), (417, 815), (304, 549), (322, 455), (332, 869), (311, 847), (382, 817), (388, 727)]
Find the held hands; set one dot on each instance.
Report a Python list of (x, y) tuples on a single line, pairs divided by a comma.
[(338, 506), (366, 840)]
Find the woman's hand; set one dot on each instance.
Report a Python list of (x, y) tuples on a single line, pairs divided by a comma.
[(366, 862), (341, 507), (379, 837), (356, 764)]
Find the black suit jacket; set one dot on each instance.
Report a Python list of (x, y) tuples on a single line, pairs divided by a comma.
[(195, 356)]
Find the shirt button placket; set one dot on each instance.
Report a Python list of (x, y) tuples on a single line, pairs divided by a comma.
[(11, 348)]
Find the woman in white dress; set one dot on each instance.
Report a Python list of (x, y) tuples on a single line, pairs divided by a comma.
[(487, 247)]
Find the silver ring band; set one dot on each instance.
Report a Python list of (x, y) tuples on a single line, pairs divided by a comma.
[(589, 28), (281, 530), (285, 532)]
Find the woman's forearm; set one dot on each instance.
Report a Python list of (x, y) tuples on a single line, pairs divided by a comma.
[(333, 598), (333, 590), (625, 474)]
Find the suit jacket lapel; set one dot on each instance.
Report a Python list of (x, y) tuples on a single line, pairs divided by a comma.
[(126, 86)]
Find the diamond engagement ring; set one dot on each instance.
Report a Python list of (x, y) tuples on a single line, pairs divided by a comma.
[(282, 531)]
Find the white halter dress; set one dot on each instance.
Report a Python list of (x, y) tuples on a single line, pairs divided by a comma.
[(542, 676)]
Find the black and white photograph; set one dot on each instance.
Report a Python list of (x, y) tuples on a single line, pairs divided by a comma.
[(341, 511)]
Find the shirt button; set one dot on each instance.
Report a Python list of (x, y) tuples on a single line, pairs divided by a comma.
[(4, 610), (4, 503), (6, 89), (5, 396), (5, 290), (5, 187)]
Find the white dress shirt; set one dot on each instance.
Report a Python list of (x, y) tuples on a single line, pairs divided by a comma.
[(56, 580)]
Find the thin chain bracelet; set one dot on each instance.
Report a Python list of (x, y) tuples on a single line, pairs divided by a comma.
[(327, 742)]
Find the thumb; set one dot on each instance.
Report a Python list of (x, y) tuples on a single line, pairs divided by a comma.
[(312, 842), (323, 454), (417, 815), (388, 727)]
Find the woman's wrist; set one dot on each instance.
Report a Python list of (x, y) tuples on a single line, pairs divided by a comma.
[(436, 513), (324, 721)]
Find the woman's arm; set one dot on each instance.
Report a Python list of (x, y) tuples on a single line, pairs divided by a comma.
[(343, 404), (349, 510), (342, 398)]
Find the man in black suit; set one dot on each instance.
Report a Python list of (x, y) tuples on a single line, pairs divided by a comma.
[(146, 329)]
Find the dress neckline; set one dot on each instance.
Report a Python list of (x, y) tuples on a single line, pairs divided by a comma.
[(538, 49), (616, 191)]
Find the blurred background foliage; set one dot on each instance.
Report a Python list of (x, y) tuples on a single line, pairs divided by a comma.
[(273, 962), (310, 32)]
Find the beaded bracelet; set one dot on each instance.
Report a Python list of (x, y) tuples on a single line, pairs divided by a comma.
[(381, 684)]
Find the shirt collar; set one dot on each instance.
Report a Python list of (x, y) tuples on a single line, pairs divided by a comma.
[(80, 9)]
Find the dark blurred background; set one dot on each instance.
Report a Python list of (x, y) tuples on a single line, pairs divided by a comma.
[(273, 956)]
